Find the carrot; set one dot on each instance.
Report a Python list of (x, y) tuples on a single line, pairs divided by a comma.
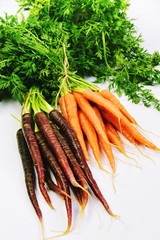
[(111, 97), (46, 129), (112, 129), (76, 148), (114, 137), (115, 123), (77, 192), (68, 132), (72, 113), (80, 177), (58, 172), (29, 172), (91, 135), (71, 158), (87, 109), (35, 153), (106, 147), (63, 107), (123, 121), (51, 185)]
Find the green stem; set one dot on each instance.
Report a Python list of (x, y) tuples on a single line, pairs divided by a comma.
[(105, 52)]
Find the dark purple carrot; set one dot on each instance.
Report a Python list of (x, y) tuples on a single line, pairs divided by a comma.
[(58, 173), (27, 128), (29, 172), (70, 135), (71, 157), (80, 177), (68, 132), (45, 128), (50, 183)]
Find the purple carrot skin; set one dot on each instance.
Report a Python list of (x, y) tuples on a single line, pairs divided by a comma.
[(55, 146), (29, 172), (82, 196), (50, 183), (33, 147), (59, 174), (68, 132), (71, 157), (76, 148)]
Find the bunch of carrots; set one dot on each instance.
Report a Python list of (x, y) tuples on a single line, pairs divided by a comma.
[(48, 147), (53, 142), (97, 118)]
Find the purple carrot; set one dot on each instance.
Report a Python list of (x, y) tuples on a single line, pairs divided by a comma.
[(50, 183), (70, 135), (82, 196), (29, 172), (45, 128), (33, 147), (58, 172)]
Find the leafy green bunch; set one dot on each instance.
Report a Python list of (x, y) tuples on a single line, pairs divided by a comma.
[(100, 41)]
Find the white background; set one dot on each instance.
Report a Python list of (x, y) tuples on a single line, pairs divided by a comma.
[(137, 197)]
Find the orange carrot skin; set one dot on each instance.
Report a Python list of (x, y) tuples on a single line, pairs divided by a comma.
[(85, 107), (35, 153), (72, 113), (90, 133), (49, 158), (115, 123), (110, 96), (45, 128), (106, 147), (29, 172), (123, 121), (63, 107), (76, 148), (112, 129), (114, 139)]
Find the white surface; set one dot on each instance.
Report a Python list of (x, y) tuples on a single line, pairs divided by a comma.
[(138, 194)]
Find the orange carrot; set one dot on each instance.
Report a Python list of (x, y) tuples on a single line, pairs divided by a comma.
[(72, 113), (112, 129), (114, 137), (115, 123), (91, 135), (111, 97), (87, 109), (63, 107), (106, 147), (97, 98)]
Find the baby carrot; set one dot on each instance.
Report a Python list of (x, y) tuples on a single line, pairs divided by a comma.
[(35, 153), (120, 128), (91, 135), (87, 109), (49, 158), (72, 113), (111, 97), (47, 131), (71, 158), (29, 172), (63, 107), (97, 98), (114, 137), (76, 148), (106, 147)]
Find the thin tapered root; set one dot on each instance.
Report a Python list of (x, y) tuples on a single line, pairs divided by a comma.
[(113, 214), (60, 235)]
